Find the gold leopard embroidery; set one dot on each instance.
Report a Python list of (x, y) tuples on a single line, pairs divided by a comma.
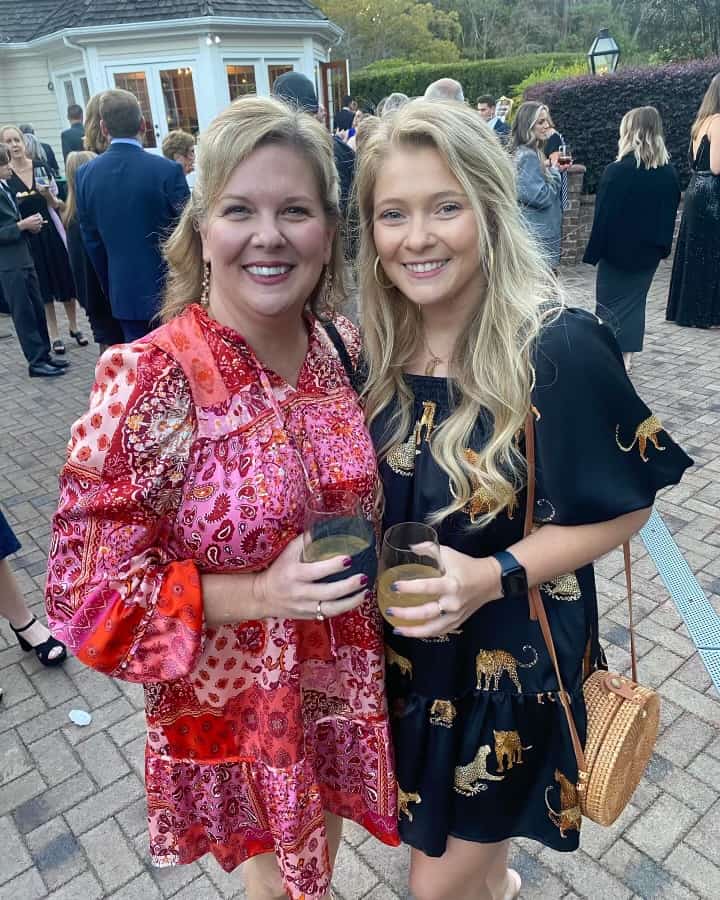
[(647, 431), (470, 779), (401, 457), (482, 502), (491, 665), (508, 746), (404, 801), (442, 713), (394, 659), (563, 587), (570, 817)]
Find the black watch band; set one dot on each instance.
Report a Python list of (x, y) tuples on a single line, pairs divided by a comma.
[(513, 576)]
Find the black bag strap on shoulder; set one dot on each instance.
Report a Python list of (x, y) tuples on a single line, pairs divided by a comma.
[(341, 349)]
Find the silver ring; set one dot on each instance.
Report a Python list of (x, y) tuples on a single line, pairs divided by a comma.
[(319, 613), (440, 607)]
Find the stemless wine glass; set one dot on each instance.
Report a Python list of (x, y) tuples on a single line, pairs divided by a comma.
[(336, 526), (410, 551), (564, 155)]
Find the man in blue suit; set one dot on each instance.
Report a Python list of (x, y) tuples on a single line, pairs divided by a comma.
[(128, 201)]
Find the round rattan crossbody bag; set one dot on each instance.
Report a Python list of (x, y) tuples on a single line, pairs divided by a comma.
[(623, 717)]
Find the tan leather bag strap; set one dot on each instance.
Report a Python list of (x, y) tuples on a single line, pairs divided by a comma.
[(537, 606)]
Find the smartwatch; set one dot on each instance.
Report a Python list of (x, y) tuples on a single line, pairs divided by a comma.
[(513, 576)]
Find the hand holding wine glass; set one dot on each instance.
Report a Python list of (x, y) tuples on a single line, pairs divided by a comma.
[(443, 592), (565, 159)]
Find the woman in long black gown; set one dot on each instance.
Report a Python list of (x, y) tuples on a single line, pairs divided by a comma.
[(694, 298), (463, 339)]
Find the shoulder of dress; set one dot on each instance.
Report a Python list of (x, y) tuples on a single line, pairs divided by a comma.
[(350, 335), (568, 335)]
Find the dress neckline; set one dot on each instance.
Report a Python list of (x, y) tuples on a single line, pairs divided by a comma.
[(240, 343)]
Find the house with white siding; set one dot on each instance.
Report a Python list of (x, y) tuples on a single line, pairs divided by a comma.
[(183, 59)]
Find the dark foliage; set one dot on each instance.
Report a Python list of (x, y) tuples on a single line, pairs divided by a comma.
[(588, 109), (490, 76)]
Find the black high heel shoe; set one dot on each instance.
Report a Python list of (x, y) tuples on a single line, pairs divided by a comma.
[(42, 651), (80, 338)]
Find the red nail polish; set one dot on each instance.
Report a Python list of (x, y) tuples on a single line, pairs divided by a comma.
[(363, 581), (347, 562), (368, 595)]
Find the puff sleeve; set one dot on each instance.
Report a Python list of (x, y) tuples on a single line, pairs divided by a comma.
[(119, 591), (600, 452)]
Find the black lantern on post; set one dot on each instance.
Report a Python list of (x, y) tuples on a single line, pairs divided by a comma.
[(604, 54)]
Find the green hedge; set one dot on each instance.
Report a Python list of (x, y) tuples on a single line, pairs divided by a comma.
[(489, 76), (587, 110)]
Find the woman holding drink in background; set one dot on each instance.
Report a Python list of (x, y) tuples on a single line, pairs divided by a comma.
[(177, 556), (463, 339)]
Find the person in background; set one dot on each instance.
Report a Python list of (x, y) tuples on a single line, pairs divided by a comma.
[(106, 330), (344, 117), (94, 139), (192, 469), (36, 192), (19, 281), (467, 346), (128, 201), (29, 633), (179, 146), (390, 104), (633, 228), (297, 89), (41, 151), (72, 138), (445, 89), (485, 105), (694, 299), (538, 182)]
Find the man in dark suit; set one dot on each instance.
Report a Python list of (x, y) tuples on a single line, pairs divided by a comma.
[(486, 108), (344, 117), (19, 282), (72, 137), (128, 201)]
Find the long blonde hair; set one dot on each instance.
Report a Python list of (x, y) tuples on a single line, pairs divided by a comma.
[(94, 139), (75, 159), (235, 134), (491, 363), (641, 133), (710, 105)]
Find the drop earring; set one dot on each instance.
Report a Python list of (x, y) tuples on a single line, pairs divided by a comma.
[(205, 295)]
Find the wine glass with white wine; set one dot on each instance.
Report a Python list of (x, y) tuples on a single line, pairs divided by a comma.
[(410, 551), (336, 526)]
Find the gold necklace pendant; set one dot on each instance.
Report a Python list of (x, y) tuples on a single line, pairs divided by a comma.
[(434, 362)]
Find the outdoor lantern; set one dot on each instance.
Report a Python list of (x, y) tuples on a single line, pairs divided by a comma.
[(604, 54)]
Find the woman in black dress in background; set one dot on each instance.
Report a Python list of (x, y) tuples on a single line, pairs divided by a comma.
[(47, 247), (463, 338), (694, 298), (635, 211)]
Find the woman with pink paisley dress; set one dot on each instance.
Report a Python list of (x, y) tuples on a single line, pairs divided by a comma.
[(176, 553)]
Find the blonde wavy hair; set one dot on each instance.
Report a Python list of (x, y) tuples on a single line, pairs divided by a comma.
[(491, 363), (94, 139), (710, 105), (75, 159), (641, 133), (234, 135)]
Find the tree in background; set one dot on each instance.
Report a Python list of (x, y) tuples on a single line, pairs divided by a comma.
[(483, 29), (384, 29)]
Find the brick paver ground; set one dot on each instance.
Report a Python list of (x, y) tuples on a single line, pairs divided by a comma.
[(71, 799)]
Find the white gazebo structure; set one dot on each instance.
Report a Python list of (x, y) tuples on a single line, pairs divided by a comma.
[(184, 60)]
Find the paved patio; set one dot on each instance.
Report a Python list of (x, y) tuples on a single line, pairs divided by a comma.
[(72, 800)]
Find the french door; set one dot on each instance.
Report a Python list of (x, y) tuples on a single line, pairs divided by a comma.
[(166, 94)]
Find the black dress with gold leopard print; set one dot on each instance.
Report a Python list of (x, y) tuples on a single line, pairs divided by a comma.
[(482, 746)]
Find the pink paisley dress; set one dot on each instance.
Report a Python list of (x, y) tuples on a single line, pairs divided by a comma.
[(193, 458)]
